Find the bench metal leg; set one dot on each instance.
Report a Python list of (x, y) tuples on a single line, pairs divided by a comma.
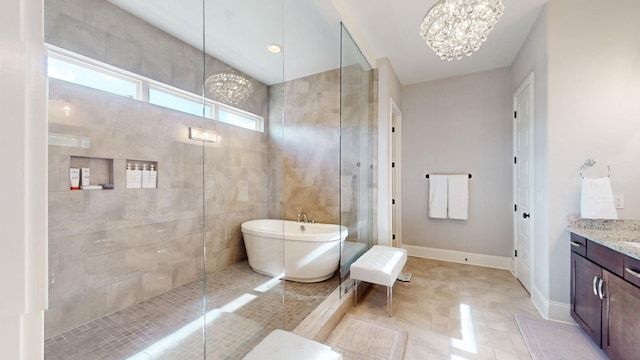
[(389, 300), (355, 294)]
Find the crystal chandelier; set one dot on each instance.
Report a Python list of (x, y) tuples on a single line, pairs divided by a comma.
[(229, 87), (453, 28)]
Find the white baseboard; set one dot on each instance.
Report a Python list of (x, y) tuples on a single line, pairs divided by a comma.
[(492, 261), (540, 302), (551, 310), (560, 312), (512, 266)]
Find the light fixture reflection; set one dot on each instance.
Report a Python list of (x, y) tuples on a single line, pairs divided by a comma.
[(468, 341), (274, 48), (229, 87), (203, 135)]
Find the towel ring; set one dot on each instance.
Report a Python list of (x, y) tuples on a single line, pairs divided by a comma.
[(591, 162)]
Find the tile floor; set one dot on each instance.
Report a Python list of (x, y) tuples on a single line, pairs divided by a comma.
[(242, 308), (454, 311), (450, 311)]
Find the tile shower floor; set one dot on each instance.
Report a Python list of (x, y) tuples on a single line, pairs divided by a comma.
[(242, 307)]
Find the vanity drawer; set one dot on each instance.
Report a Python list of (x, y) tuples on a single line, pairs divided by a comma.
[(605, 257), (578, 244), (632, 270)]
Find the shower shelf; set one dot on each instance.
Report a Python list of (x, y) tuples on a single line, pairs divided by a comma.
[(101, 168)]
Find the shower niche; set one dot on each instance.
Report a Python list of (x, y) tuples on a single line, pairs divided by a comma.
[(101, 171)]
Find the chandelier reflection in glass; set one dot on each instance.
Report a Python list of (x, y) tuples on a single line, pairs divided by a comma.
[(453, 28), (229, 87)]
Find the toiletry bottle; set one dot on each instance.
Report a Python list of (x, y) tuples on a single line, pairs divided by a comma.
[(85, 180), (137, 176), (74, 178), (145, 177), (130, 177), (153, 176)]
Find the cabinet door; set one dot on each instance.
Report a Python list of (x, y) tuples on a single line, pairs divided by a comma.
[(621, 319), (586, 307)]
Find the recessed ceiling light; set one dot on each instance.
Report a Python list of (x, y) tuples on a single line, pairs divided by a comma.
[(274, 48)]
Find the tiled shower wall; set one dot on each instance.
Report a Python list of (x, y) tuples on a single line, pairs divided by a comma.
[(109, 249), (309, 148)]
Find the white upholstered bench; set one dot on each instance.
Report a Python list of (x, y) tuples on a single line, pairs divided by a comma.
[(283, 345), (380, 265)]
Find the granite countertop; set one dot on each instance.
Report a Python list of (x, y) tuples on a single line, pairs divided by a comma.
[(614, 234)]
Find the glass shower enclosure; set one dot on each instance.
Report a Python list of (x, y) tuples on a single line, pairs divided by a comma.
[(187, 122), (358, 187)]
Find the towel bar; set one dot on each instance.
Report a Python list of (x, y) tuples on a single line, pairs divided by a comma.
[(589, 162), (470, 176)]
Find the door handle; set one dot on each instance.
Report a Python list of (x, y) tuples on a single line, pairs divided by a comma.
[(525, 215), (600, 292), (631, 272), (595, 284)]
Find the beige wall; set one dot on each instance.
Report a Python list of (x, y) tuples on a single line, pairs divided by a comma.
[(532, 58), (459, 125), (594, 112), (587, 82), (389, 89)]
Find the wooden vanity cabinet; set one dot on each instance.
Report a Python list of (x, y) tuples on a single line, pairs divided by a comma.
[(586, 306), (621, 319), (604, 300)]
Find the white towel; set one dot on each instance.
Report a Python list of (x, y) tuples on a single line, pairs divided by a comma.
[(438, 196), (597, 199), (459, 197)]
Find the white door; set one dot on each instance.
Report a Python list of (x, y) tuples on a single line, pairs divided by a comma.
[(394, 184), (396, 221), (523, 181)]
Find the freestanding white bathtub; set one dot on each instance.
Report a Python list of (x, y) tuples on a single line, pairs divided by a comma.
[(303, 252)]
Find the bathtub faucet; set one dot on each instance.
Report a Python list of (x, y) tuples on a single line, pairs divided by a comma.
[(303, 216)]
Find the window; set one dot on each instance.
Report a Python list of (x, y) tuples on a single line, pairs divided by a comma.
[(74, 68), (241, 119), (169, 100), (100, 79)]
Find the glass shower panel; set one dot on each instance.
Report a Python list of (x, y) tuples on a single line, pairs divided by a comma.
[(126, 250), (310, 154), (357, 152), (242, 175)]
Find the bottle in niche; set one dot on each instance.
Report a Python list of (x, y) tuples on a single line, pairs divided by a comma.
[(85, 180), (132, 177), (145, 177), (74, 178), (129, 177), (138, 176), (153, 176)]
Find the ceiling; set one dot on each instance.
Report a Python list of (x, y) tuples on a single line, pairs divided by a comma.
[(237, 33), (390, 28)]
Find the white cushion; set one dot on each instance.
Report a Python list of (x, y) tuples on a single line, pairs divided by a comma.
[(380, 265), (283, 345)]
